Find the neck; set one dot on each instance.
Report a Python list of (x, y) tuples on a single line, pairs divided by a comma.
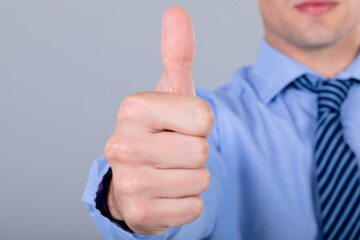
[(327, 61)]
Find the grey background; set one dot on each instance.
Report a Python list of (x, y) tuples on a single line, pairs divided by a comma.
[(65, 67)]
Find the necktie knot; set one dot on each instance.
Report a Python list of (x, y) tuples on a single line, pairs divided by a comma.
[(331, 94)]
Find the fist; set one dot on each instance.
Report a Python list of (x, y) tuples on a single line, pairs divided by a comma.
[(159, 148)]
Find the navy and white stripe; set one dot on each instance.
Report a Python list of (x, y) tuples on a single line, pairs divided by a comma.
[(337, 169)]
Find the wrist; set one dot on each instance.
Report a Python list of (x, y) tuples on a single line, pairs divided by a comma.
[(104, 197), (111, 205)]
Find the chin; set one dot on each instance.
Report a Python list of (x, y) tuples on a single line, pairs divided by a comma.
[(315, 39), (315, 43)]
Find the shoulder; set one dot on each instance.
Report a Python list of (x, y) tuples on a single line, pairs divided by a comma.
[(236, 92), (230, 103)]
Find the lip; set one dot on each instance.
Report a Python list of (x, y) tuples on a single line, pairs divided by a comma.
[(316, 6)]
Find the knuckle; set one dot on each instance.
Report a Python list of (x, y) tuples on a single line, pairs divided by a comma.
[(201, 152), (124, 148), (204, 118), (128, 184), (198, 207), (204, 179), (137, 214), (131, 105), (110, 150), (120, 149)]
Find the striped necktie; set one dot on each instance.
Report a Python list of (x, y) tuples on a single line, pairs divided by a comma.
[(337, 170)]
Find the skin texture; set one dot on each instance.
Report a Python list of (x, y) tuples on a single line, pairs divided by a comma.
[(158, 150), (326, 42)]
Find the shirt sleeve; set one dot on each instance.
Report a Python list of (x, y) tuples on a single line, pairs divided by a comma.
[(199, 229)]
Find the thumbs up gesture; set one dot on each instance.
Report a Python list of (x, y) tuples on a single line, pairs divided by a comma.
[(158, 150)]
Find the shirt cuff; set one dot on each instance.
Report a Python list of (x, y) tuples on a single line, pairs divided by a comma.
[(92, 198), (101, 201)]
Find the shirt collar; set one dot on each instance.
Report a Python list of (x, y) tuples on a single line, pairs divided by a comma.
[(273, 71)]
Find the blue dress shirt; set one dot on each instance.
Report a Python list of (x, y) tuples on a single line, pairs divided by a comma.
[(261, 156)]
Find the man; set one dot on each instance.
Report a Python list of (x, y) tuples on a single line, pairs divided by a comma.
[(284, 152)]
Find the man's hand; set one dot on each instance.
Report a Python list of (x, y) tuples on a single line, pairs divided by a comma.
[(158, 150)]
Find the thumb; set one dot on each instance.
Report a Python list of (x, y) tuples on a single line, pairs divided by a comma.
[(177, 52)]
